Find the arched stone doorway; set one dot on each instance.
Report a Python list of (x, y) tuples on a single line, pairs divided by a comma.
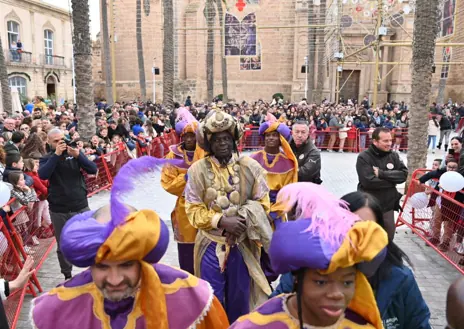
[(51, 87)]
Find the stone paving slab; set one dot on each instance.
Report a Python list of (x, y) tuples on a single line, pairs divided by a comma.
[(433, 273)]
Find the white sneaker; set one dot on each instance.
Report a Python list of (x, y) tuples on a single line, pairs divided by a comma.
[(340, 151), (35, 241), (330, 151), (29, 250)]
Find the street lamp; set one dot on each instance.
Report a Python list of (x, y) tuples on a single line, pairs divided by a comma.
[(306, 76)]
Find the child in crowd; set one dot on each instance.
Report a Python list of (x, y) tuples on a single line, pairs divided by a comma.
[(42, 212), (14, 163), (24, 196), (139, 135)]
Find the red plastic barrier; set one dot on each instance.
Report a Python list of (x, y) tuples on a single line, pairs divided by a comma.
[(19, 241), (442, 212), (251, 140), (399, 139), (336, 140)]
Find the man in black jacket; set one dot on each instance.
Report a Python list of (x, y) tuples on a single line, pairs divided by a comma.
[(67, 192), (445, 130), (308, 156), (379, 170)]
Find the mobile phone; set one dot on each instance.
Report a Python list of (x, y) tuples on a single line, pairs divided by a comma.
[(451, 151)]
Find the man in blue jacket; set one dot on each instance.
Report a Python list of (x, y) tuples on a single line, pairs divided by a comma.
[(67, 192)]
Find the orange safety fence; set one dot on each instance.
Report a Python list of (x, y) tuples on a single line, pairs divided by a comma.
[(22, 233), (438, 219)]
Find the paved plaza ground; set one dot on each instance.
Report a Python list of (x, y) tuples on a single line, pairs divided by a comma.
[(433, 273)]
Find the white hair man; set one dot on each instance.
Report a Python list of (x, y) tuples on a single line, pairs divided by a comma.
[(67, 192), (308, 156)]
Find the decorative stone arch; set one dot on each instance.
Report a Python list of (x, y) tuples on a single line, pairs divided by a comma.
[(13, 74), (53, 74), (12, 16), (48, 26)]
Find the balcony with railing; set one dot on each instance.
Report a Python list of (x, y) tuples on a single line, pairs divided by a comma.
[(14, 56), (52, 60)]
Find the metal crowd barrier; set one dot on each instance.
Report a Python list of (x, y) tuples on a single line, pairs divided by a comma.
[(355, 141), (17, 242), (440, 222)]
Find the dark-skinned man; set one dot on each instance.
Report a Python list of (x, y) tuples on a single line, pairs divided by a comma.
[(174, 179), (281, 166), (227, 200)]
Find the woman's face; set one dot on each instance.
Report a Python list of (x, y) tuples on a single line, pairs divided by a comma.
[(326, 297), (94, 140), (63, 126), (456, 146), (104, 133)]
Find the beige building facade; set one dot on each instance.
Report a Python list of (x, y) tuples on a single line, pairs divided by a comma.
[(282, 42), (43, 67)]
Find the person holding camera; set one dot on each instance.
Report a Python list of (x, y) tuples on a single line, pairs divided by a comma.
[(67, 192)]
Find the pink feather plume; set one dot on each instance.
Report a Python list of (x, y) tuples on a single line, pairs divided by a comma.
[(331, 218), (270, 118), (183, 114)]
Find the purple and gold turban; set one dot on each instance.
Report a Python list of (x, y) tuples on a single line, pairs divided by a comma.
[(186, 122), (271, 124), (129, 235), (326, 236)]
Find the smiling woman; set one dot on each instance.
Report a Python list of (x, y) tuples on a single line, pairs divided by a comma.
[(330, 291)]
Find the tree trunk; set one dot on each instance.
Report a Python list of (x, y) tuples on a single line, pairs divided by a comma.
[(83, 68), (423, 52), (210, 13), (225, 97), (143, 83), (6, 93), (320, 56), (311, 50), (168, 54), (107, 55)]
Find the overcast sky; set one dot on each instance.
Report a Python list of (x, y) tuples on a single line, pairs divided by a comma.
[(94, 13)]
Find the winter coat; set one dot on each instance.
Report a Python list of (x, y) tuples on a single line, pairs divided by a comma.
[(433, 130), (392, 171), (309, 162)]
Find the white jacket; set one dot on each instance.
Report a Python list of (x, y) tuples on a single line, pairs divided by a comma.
[(433, 129)]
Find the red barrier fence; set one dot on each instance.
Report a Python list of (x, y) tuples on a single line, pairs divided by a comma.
[(345, 140), (22, 232), (438, 219)]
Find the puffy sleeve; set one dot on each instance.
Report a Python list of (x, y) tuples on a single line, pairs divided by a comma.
[(197, 211), (216, 317), (172, 179)]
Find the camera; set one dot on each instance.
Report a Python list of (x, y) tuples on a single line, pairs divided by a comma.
[(70, 143)]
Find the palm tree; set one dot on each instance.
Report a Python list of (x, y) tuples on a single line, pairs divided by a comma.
[(320, 55), (423, 52), (210, 14), (6, 94), (138, 34), (223, 57), (83, 68), (311, 50), (106, 52), (168, 54)]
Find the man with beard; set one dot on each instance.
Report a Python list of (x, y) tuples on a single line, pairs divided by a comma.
[(379, 171), (125, 287), (227, 200), (174, 179), (309, 158)]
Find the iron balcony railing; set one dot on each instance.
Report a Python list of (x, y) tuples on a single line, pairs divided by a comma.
[(52, 60), (15, 56)]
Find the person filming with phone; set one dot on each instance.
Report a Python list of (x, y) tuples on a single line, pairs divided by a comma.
[(67, 192)]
